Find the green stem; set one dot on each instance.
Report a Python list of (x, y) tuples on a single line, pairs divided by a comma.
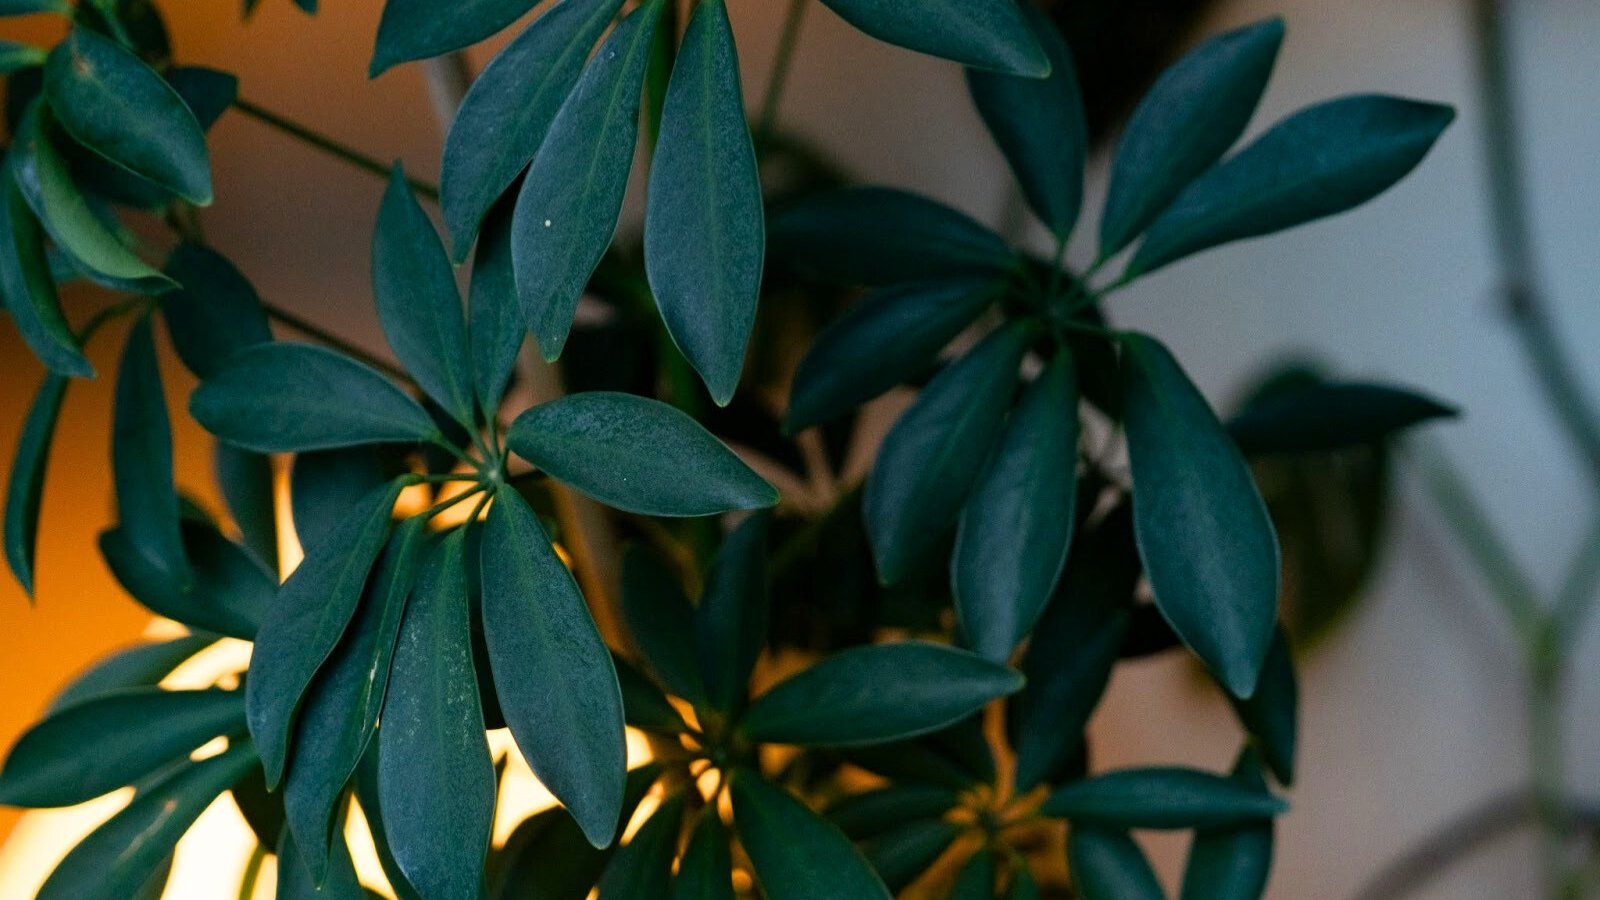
[(779, 78), (1576, 598), (252, 872), (322, 335), (329, 146)]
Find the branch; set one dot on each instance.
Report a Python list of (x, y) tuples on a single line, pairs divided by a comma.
[(328, 145)]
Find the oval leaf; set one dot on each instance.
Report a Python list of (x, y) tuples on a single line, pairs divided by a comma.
[(1324, 417), (414, 29), (1108, 865), (143, 665), (25, 487), (731, 620), (870, 814), (904, 854), (1272, 713), (141, 460), (706, 871), (27, 287), (797, 854), (295, 881), (496, 327), (644, 706), (1232, 863), (661, 622), (643, 866), (1164, 798), (215, 314), (988, 34)]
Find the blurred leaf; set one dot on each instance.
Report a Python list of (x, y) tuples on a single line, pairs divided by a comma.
[(1326, 416), (706, 871), (25, 7), (643, 866), (731, 621), (976, 880), (1232, 863), (1162, 798), (902, 854), (295, 881), (14, 56), (414, 29), (27, 288), (215, 313), (957, 757), (227, 591), (248, 487), (990, 34), (865, 815), (141, 460), (142, 665), (25, 487), (643, 704), (1108, 865), (797, 855), (661, 622)]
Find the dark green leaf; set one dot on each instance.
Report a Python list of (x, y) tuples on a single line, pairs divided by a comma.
[(207, 92), (312, 612), (1207, 543), (660, 620), (989, 34), (1191, 116), (706, 871), (366, 793), (25, 7), (705, 237), (279, 398), (106, 742), (1023, 886), (340, 711), (117, 859), (114, 104), (548, 858), (1272, 713), (643, 866), (504, 117), (496, 326), (1108, 865), (869, 695), (643, 704), (141, 460), (886, 339), (866, 815), (976, 879), (325, 484), (1039, 124), (247, 483), (15, 56), (1165, 798), (418, 304), (877, 236), (1232, 863), (262, 811), (797, 854), (552, 672), (936, 451), (25, 488), (226, 591), (902, 855), (1015, 530), (27, 288), (295, 880), (414, 29), (958, 757), (215, 313), (573, 192), (1325, 416), (139, 666), (1316, 163), (731, 621), (637, 455)]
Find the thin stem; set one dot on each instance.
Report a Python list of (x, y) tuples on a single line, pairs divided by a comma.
[(779, 77), (252, 872), (328, 145), (1576, 598), (1055, 266), (313, 330), (457, 452), (449, 479)]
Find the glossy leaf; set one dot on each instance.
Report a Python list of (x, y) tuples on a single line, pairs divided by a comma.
[(1039, 124), (637, 455), (1108, 865), (886, 339), (27, 288), (1232, 863), (902, 855), (435, 776), (114, 104), (1207, 543), (661, 622), (705, 234), (1164, 798), (797, 855), (504, 117), (143, 665), (295, 881), (280, 398), (706, 871), (1272, 713), (215, 314), (865, 815), (879, 236), (869, 695), (990, 34), (936, 451), (106, 742), (312, 612), (413, 29), (643, 866), (141, 459), (418, 304), (1193, 113), (552, 672), (1012, 541), (495, 324), (25, 486), (572, 195), (731, 620), (1318, 162), (1330, 416)]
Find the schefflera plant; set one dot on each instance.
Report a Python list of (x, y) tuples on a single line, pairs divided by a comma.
[(376, 622)]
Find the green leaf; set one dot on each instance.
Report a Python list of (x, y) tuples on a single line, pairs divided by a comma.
[(222, 588), (435, 776), (643, 704), (869, 695), (414, 29), (637, 455), (42, 175), (25, 488), (106, 742), (1163, 798), (1039, 124), (1207, 543), (1014, 532), (340, 712), (862, 816), (418, 304), (1108, 865), (366, 793), (248, 485), (643, 866), (141, 460), (1324, 417), (987, 34), (1023, 886), (1272, 713), (572, 195), (142, 665), (936, 451), (114, 104), (280, 398), (797, 855), (706, 871), (877, 236), (496, 327), (27, 288), (313, 610), (15, 57), (731, 621), (902, 855), (504, 117), (976, 879), (325, 484), (207, 92), (1193, 113), (958, 758), (552, 672), (295, 881), (215, 314), (705, 234), (1318, 162), (886, 339), (117, 859), (26, 7), (661, 622), (1232, 863)]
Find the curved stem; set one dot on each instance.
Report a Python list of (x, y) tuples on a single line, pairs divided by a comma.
[(779, 78), (252, 872), (328, 145), (322, 335)]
